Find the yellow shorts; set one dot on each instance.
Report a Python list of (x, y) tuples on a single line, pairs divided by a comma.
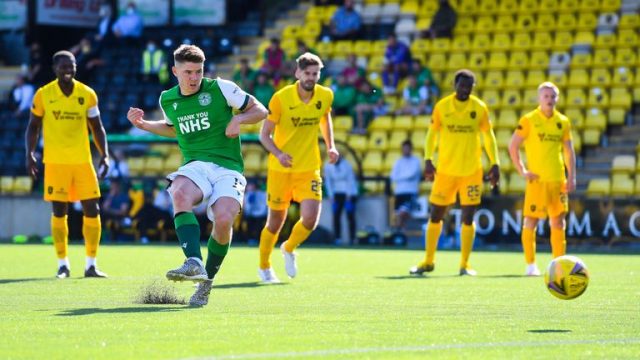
[(282, 187), (542, 198), (446, 187), (70, 182)]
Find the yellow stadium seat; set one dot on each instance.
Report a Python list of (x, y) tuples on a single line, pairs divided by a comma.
[(595, 120), (311, 30), (525, 22), (396, 139), (576, 117), (584, 38), (603, 58), (6, 184), (514, 79), (172, 163), (610, 5), (501, 42), (461, 43), (465, 25), (441, 45), (372, 163), (622, 77), (488, 7), (324, 49), (437, 62), (498, 61), (505, 24), (577, 141), (598, 97), (378, 140), (512, 99), (420, 47), (375, 64), (403, 122), (417, 139), (315, 13), (493, 80), (362, 47), (625, 57), (384, 123), (542, 41), (546, 22), (503, 137), (605, 41), (253, 163), (622, 185), (291, 32), (578, 78), (358, 143), (343, 123), (629, 21), (521, 42), (342, 48), (627, 37), (616, 116), (22, 185), (161, 149), (457, 61), (484, 24), (153, 166), (491, 98), (620, 97), (530, 98), (562, 41), (477, 61), (591, 137), (539, 60), (599, 187), (576, 97), (481, 42), (587, 21), (389, 160), (559, 78), (136, 166), (341, 135), (566, 22), (535, 78), (568, 6), (580, 60), (508, 119), (518, 60), (409, 8), (422, 122), (625, 164), (508, 7)]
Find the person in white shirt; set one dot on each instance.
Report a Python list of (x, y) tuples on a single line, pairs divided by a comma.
[(342, 189), (406, 175), (22, 96)]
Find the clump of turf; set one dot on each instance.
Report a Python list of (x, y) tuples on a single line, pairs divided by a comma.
[(159, 292)]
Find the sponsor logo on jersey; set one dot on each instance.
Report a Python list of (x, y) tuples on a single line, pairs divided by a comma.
[(175, 106), (559, 126), (473, 114), (56, 114), (204, 99), (319, 105), (81, 100)]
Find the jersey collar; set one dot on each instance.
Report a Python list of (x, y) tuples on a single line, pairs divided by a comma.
[(59, 92)]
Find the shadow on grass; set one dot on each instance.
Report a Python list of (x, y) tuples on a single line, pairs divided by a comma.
[(407, 277), (506, 276), (549, 331), (10, 281), (123, 310), (252, 284)]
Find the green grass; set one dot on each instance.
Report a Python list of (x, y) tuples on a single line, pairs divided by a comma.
[(345, 303)]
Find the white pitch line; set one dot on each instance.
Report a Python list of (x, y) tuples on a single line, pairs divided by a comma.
[(425, 348)]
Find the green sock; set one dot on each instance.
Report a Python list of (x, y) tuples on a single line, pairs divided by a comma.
[(216, 255), (188, 231)]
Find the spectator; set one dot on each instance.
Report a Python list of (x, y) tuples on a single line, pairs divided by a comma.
[(405, 175), (353, 73), (274, 59), (37, 73), (263, 90), (129, 25), (398, 63), (369, 103), (87, 58), (344, 96), (115, 209), (443, 22), (425, 77), (254, 212), (342, 189), (345, 23), (415, 98), (154, 64), (21, 96), (245, 76), (104, 34), (302, 48)]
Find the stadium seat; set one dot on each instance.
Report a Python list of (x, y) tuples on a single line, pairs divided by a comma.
[(22, 185), (610, 5), (521, 42), (465, 25), (498, 61), (488, 7), (417, 139), (519, 60), (595, 120), (378, 140), (546, 22), (461, 43), (617, 116), (343, 123), (378, 47), (578, 78), (591, 137), (627, 37), (508, 119), (384, 123), (342, 48), (542, 41), (505, 24), (491, 98), (598, 97), (600, 77), (253, 163), (512, 99), (535, 78), (580, 61), (456, 61), (514, 79), (153, 166), (481, 42), (6, 184), (539, 60), (625, 57), (422, 122), (172, 163), (396, 139), (136, 166), (620, 97), (477, 61), (493, 80), (437, 62), (501, 42), (503, 137), (577, 142), (516, 184), (372, 163), (587, 21), (526, 22), (389, 160), (625, 164), (362, 48), (566, 22), (409, 9), (576, 97), (599, 187), (508, 7), (584, 39), (576, 117), (568, 6), (440, 45), (605, 41), (311, 30), (530, 99), (358, 143), (629, 21), (484, 24), (603, 58), (622, 185), (403, 122)]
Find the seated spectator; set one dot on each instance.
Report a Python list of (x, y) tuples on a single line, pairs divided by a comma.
[(129, 25), (263, 90), (254, 211), (369, 104), (345, 23), (443, 21), (154, 64), (344, 96), (353, 73), (415, 98), (398, 62), (21, 97), (274, 59), (87, 58), (115, 208), (245, 76), (37, 75), (425, 77)]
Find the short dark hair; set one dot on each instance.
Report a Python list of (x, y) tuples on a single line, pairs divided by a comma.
[(407, 143), (308, 59), (188, 53), (464, 73), (63, 54)]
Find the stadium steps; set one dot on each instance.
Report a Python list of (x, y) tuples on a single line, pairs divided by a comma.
[(250, 46)]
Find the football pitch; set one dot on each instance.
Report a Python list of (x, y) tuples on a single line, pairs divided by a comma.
[(345, 303)]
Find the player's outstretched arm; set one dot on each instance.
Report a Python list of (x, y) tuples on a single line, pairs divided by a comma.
[(266, 140), (31, 139), (158, 127)]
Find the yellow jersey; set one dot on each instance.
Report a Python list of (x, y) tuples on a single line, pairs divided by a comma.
[(64, 122), (543, 143), (459, 124), (297, 124)]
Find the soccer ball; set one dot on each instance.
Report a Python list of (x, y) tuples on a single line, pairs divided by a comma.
[(567, 277)]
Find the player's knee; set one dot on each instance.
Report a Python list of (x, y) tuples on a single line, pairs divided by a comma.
[(310, 223), (223, 221), (181, 198)]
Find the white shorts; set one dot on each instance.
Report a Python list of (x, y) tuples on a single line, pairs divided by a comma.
[(214, 181)]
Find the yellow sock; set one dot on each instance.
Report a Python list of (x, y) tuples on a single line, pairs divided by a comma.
[(467, 235), (60, 234), (91, 231), (432, 236), (558, 242), (267, 242), (528, 240), (299, 234)]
